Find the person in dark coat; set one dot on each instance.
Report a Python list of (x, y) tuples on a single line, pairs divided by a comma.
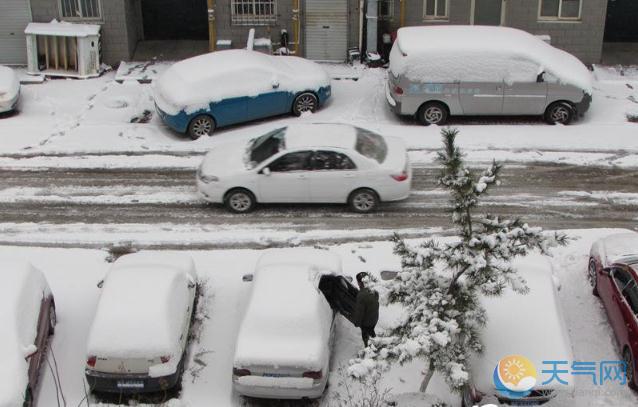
[(366, 310)]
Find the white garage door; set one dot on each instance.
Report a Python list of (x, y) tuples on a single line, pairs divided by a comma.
[(14, 17), (326, 33)]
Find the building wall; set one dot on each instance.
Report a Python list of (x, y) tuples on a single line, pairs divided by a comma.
[(582, 38), (119, 34)]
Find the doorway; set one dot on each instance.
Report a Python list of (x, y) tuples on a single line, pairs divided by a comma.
[(621, 23), (175, 19), (488, 12)]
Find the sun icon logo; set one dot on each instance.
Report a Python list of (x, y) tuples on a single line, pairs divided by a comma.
[(515, 376)]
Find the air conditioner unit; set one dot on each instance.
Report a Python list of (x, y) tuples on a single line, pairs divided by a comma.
[(63, 49)]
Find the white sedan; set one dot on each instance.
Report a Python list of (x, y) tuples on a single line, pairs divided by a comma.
[(285, 338), (311, 163), (9, 89), (137, 342)]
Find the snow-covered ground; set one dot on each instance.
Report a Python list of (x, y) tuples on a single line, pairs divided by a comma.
[(74, 273), (94, 121)]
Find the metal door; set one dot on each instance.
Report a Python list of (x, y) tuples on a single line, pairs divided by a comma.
[(14, 17), (487, 12), (326, 31)]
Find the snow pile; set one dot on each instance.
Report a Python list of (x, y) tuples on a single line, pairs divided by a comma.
[(21, 293), (194, 83), (9, 83), (62, 29), (142, 307), (482, 54), (286, 303)]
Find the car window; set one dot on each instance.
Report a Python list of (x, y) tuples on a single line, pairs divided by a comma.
[(331, 160), (264, 147), (371, 145), (631, 296), (297, 161), (621, 278)]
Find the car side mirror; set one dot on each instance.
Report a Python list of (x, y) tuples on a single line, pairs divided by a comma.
[(266, 171), (100, 284), (540, 78), (607, 271), (247, 278), (275, 83), (32, 352)]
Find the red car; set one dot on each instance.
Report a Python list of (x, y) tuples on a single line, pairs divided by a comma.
[(613, 273), (27, 317)]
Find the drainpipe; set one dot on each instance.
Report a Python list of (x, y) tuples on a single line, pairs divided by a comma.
[(212, 30), (402, 15), (361, 11), (295, 25), (372, 26)]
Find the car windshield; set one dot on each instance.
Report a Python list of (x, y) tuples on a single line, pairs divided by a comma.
[(371, 145), (265, 146)]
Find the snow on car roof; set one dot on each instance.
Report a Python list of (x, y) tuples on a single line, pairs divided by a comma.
[(480, 53), (287, 321), (619, 245), (21, 292), (142, 307), (320, 135), (529, 324)]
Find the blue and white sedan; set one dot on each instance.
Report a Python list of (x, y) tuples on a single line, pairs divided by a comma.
[(197, 95)]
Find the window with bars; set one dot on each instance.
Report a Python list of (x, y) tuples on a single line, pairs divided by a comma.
[(559, 9), (385, 9), (81, 9), (435, 9), (253, 12)]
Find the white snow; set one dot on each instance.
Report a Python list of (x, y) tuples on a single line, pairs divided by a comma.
[(282, 382), (615, 246), (9, 83), (481, 54), (141, 310), (63, 29), (21, 292)]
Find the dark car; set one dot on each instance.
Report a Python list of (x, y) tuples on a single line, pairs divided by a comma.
[(613, 272), (27, 315)]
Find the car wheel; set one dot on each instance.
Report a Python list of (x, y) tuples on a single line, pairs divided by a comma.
[(559, 113), (28, 398), (433, 113), (363, 200), (306, 102), (592, 277), (629, 363), (240, 201), (53, 320), (202, 125)]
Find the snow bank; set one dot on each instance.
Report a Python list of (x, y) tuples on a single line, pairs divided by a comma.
[(287, 321), (21, 293), (9, 83), (482, 54), (195, 82), (141, 310), (62, 29)]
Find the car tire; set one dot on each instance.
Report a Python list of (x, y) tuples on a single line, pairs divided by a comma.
[(202, 125), (629, 361), (240, 200), (559, 113), (28, 398), (363, 200), (53, 320), (433, 113), (305, 102), (592, 276)]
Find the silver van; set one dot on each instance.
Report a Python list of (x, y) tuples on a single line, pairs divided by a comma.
[(443, 71)]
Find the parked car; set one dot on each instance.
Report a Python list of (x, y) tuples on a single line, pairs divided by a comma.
[(287, 332), (531, 325), (9, 89), (613, 272), (137, 342), (200, 94), (309, 163), (27, 317), (443, 71)]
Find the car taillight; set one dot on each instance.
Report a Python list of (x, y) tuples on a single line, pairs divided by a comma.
[(90, 361), (241, 372), (400, 177), (165, 359), (313, 375), (398, 90)]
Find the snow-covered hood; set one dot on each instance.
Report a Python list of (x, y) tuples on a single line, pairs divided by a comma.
[(618, 245), (225, 159), (9, 83), (303, 73)]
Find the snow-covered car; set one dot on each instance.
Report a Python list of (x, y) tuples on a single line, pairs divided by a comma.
[(200, 94), (9, 89), (286, 335), (613, 273), (137, 342), (27, 317), (437, 72), (530, 325), (307, 163)]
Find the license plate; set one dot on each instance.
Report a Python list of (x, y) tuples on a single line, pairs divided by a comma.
[(130, 384), (274, 375)]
